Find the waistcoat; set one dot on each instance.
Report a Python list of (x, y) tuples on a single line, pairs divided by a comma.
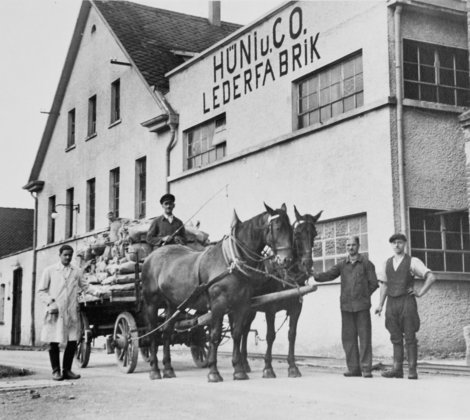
[(399, 281)]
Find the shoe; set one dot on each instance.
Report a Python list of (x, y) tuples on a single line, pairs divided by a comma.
[(56, 376), (366, 374), (350, 374), (68, 374), (393, 373)]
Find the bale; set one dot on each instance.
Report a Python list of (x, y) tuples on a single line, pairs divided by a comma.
[(124, 278), (128, 268), (138, 251)]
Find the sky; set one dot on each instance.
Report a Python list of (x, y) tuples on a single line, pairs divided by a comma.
[(34, 39)]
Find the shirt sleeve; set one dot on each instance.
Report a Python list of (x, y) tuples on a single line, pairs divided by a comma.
[(152, 234), (329, 275), (43, 291), (418, 268), (382, 273)]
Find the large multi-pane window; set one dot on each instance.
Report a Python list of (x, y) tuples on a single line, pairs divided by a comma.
[(91, 200), (50, 220), (434, 73), (114, 179), (330, 92), (71, 128), (441, 239), (115, 100), (92, 115), (205, 143), (140, 187), (330, 244), (69, 209)]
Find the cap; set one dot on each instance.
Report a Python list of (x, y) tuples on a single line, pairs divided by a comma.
[(397, 236), (167, 197)]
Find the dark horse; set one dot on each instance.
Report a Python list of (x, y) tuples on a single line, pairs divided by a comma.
[(304, 235), (172, 273)]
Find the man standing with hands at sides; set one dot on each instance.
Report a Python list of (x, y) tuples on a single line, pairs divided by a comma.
[(401, 313), (59, 288), (166, 229), (358, 282)]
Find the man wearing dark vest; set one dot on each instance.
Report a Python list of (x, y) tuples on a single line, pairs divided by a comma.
[(358, 282), (166, 229), (401, 313)]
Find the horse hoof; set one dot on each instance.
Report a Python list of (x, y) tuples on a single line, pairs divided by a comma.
[(155, 374), (240, 376), (294, 372), (169, 373), (268, 373), (214, 377), (247, 367)]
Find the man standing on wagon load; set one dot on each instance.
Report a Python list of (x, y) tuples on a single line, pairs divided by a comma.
[(59, 288), (167, 228), (401, 313), (358, 282)]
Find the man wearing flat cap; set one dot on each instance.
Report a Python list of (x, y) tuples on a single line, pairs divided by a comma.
[(166, 229), (401, 314)]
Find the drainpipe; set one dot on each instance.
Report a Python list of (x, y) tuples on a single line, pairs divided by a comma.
[(400, 139), (33, 274), (171, 144)]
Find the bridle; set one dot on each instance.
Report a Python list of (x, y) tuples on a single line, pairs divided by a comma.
[(308, 252), (270, 237)]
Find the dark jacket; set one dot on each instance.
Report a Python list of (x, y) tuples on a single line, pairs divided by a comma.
[(358, 282), (161, 227)]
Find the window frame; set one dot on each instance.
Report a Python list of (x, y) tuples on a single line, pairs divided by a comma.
[(91, 204), (429, 233), (415, 73), (323, 75), (114, 190), (140, 187), (210, 138), (326, 260), (115, 101), (71, 134), (69, 209), (92, 116), (2, 303), (52, 200)]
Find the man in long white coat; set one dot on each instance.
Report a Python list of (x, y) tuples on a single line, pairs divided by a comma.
[(59, 288)]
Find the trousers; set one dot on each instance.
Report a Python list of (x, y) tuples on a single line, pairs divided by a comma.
[(356, 336)]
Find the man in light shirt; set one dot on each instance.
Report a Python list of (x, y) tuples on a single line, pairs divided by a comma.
[(401, 313)]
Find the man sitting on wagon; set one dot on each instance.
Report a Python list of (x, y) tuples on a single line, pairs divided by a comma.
[(167, 228)]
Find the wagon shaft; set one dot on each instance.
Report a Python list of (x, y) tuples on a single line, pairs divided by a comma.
[(259, 301)]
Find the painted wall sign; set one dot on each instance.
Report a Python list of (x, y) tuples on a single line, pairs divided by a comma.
[(254, 60)]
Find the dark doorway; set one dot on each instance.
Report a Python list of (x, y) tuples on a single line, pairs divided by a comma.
[(16, 318)]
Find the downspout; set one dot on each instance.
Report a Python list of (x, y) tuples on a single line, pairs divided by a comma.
[(400, 139), (33, 274)]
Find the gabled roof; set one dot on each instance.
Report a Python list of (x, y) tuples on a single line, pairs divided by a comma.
[(16, 230), (148, 36), (151, 36)]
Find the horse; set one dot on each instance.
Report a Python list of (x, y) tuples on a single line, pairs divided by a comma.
[(304, 234), (226, 272)]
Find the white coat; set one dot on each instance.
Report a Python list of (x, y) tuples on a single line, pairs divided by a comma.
[(61, 285)]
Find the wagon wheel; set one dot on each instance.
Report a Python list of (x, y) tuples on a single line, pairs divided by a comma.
[(125, 339), (83, 351), (200, 350)]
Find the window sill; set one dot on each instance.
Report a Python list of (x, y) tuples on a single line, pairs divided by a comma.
[(90, 136), (434, 106), (117, 122), (69, 148)]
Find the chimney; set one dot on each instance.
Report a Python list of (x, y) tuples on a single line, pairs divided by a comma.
[(214, 13)]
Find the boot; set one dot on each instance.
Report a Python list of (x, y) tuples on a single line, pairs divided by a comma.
[(54, 357), (397, 371), (412, 350), (69, 354)]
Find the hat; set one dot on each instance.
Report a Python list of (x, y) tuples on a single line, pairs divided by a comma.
[(167, 197), (397, 237)]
